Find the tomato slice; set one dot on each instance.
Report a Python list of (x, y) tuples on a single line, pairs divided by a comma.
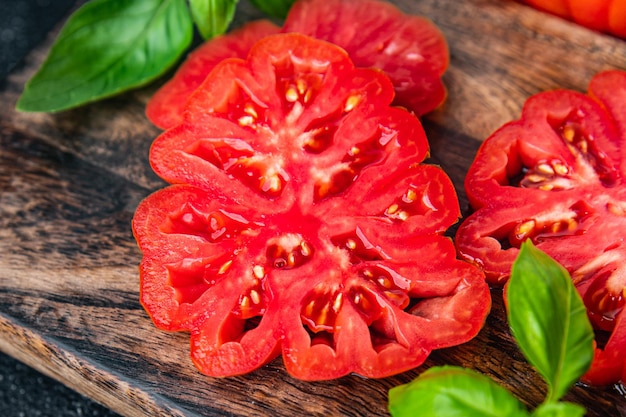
[(557, 176), (410, 49), (301, 221), (165, 107)]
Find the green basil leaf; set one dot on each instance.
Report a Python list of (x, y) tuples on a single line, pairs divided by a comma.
[(549, 320), (212, 17), (562, 409), (106, 47), (275, 8), (449, 391)]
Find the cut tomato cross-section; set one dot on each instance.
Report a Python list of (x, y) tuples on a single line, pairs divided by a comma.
[(301, 220), (557, 176)]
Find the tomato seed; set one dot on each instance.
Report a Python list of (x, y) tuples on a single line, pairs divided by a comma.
[(291, 95), (545, 169), (351, 103), (410, 196), (392, 209), (258, 271), (254, 295), (301, 85), (307, 96), (305, 249), (535, 178), (225, 267), (560, 169), (338, 302), (568, 133), (617, 208)]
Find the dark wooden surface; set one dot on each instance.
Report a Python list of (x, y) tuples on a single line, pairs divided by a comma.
[(70, 182)]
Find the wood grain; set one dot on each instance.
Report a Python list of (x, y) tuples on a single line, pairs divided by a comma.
[(69, 184)]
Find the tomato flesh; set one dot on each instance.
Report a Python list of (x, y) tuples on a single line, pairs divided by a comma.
[(557, 177), (301, 220)]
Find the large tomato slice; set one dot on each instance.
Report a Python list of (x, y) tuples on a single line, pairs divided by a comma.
[(557, 176), (165, 108), (303, 222), (410, 49)]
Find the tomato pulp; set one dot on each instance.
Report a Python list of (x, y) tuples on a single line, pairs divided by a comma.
[(558, 176), (301, 221)]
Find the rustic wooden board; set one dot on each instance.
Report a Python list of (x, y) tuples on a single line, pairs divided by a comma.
[(69, 184)]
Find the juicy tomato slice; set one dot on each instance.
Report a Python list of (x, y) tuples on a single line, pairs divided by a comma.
[(557, 176), (302, 221), (410, 49), (165, 107)]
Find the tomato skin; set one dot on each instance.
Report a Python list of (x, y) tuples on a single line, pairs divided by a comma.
[(601, 15), (410, 49), (298, 207), (557, 176)]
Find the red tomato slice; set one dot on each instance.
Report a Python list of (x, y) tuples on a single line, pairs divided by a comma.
[(557, 176), (302, 222), (166, 106), (410, 49)]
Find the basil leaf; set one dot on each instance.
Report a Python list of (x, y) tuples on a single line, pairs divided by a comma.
[(106, 47), (212, 17), (562, 409), (549, 320), (275, 8), (448, 391)]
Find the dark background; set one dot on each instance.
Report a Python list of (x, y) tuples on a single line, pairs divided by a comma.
[(25, 392)]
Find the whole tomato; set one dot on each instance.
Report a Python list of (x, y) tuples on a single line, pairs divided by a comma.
[(602, 15)]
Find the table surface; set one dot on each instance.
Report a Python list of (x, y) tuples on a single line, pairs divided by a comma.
[(23, 390), (69, 184)]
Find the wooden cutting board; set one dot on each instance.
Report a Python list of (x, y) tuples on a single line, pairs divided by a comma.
[(70, 182)]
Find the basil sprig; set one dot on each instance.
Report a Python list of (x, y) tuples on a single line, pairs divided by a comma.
[(549, 322), (110, 46), (212, 17)]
